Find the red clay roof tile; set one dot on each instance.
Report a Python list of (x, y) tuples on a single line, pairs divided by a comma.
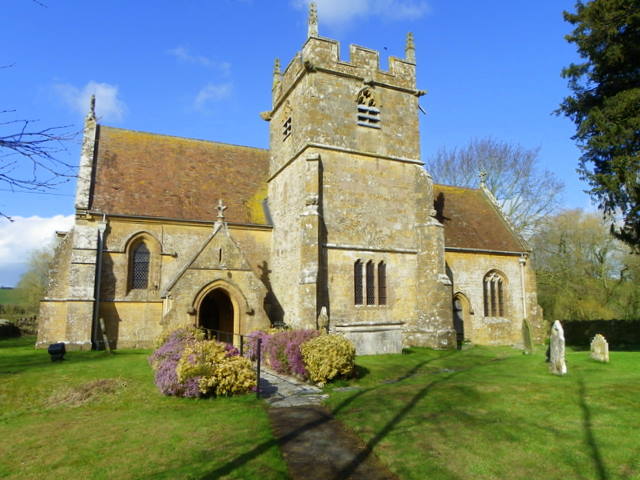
[(138, 173)]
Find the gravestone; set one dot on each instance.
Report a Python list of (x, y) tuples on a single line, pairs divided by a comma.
[(323, 320), (527, 341), (556, 350), (600, 349)]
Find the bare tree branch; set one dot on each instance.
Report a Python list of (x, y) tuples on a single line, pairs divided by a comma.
[(29, 156), (526, 193)]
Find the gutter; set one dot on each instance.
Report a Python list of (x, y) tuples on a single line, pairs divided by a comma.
[(102, 226)]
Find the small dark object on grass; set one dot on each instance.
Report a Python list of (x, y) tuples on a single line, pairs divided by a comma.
[(57, 351)]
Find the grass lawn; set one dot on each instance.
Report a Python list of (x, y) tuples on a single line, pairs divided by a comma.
[(100, 416), (493, 413)]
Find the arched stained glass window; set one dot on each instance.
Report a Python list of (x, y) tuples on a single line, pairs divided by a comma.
[(371, 285), (357, 283), (382, 283), (140, 267)]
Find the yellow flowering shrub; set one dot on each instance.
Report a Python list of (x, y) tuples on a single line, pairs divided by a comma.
[(328, 356), (200, 359), (216, 368), (234, 375)]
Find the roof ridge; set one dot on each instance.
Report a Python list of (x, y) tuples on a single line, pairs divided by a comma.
[(183, 138), (455, 186)]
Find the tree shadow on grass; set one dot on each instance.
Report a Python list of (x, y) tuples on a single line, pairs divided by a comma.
[(589, 437)]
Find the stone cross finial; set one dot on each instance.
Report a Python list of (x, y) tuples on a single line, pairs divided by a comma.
[(276, 73), (483, 178), (91, 114), (410, 49), (221, 208), (313, 20)]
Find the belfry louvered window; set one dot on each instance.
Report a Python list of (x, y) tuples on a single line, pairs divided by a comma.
[(357, 283), (140, 267), (494, 295), (286, 128), (368, 112), (382, 283)]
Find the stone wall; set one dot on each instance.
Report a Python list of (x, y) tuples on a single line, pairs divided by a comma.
[(468, 271)]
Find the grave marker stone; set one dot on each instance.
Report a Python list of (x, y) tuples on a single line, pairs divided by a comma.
[(600, 349), (556, 350)]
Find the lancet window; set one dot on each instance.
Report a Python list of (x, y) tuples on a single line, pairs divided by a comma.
[(140, 267), (494, 294)]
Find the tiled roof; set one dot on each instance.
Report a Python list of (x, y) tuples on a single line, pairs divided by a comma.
[(138, 173), (472, 221)]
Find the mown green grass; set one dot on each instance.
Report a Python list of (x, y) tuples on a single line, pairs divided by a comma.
[(49, 430), (493, 413)]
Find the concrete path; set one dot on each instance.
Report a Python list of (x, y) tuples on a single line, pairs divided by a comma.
[(314, 444)]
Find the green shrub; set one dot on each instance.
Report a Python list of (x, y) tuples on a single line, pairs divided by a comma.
[(328, 356)]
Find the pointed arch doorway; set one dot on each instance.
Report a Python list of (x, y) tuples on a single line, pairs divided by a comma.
[(461, 320), (217, 313)]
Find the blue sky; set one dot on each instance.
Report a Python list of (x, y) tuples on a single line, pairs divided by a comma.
[(203, 69)]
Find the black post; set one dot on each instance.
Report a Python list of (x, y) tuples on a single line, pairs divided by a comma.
[(258, 365), (242, 345)]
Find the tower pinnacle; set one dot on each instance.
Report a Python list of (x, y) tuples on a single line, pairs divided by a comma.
[(277, 75), (410, 49), (313, 20), (91, 114)]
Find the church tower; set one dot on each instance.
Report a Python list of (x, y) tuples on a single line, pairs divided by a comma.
[(351, 203)]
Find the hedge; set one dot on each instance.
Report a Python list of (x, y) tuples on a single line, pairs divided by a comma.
[(619, 334)]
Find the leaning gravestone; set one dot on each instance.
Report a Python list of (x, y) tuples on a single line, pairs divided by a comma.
[(600, 349), (556, 350), (527, 341)]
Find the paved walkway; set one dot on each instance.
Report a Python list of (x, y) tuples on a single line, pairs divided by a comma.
[(314, 444)]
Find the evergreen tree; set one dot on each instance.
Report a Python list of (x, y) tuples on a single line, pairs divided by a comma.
[(605, 107)]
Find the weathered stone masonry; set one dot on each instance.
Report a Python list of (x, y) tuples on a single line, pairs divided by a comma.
[(240, 239)]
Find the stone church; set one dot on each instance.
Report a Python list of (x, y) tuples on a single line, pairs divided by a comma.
[(338, 215)]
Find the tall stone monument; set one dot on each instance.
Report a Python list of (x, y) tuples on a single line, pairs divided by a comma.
[(557, 363), (600, 349)]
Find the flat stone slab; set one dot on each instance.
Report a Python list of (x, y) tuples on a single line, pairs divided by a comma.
[(284, 391), (318, 447)]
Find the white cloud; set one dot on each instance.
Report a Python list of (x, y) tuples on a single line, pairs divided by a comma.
[(25, 234), (211, 92), (340, 12), (184, 55), (108, 105)]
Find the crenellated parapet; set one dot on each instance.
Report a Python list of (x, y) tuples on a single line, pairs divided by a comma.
[(321, 54)]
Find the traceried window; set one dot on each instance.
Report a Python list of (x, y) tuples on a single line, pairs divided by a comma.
[(382, 283), (368, 110), (140, 267), (494, 294), (357, 283)]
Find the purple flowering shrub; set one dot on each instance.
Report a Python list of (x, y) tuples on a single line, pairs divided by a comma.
[(165, 360), (282, 351), (251, 345), (186, 365)]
